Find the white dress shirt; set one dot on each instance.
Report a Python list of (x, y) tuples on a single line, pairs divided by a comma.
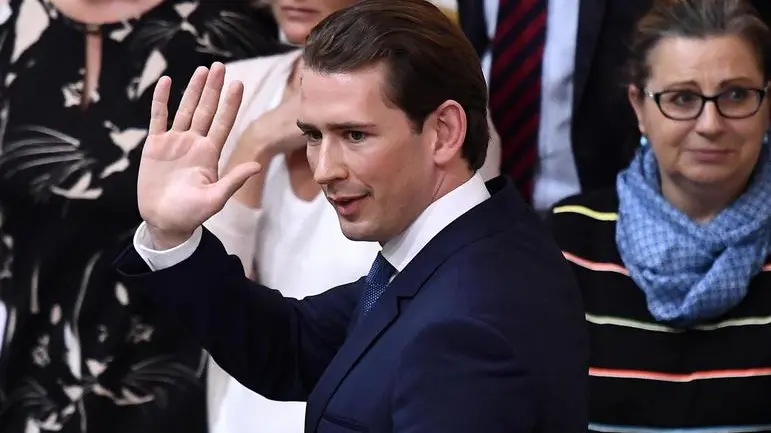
[(556, 176)]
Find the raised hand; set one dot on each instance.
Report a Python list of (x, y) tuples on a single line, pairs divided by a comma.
[(178, 187)]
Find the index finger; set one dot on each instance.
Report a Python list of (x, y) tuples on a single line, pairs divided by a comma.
[(159, 109), (226, 115)]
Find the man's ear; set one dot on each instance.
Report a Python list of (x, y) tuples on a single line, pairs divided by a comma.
[(449, 123)]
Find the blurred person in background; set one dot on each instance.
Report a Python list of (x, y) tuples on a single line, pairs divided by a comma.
[(553, 70), (674, 262), (78, 353), (279, 223)]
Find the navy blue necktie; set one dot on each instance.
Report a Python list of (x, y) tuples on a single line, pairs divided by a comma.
[(375, 284)]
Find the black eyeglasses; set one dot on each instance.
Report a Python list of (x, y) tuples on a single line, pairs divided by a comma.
[(732, 103)]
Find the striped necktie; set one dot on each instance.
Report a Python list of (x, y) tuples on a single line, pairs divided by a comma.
[(515, 87)]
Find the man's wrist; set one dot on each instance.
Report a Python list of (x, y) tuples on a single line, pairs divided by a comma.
[(165, 239)]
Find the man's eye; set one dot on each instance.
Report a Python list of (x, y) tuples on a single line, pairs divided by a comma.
[(356, 136), (312, 135)]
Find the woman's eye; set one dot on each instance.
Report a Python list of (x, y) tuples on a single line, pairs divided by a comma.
[(682, 98), (737, 94)]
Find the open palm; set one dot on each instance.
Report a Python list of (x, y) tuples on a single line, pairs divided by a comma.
[(179, 187)]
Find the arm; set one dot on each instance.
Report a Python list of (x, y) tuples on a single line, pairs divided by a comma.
[(236, 227), (463, 376), (276, 346), (258, 135)]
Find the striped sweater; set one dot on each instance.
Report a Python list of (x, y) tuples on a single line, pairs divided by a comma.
[(647, 377)]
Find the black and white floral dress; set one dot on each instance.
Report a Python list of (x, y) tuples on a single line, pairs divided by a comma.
[(79, 354)]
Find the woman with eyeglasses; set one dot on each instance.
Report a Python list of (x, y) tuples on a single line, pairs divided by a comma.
[(674, 262)]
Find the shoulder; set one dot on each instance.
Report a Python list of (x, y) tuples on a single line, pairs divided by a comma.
[(262, 77), (512, 275), (253, 69)]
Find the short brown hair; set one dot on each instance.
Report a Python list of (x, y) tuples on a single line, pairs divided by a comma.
[(696, 19), (428, 60)]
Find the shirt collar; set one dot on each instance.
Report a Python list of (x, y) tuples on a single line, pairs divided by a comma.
[(400, 250)]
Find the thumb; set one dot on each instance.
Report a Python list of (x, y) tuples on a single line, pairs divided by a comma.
[(228, 184)]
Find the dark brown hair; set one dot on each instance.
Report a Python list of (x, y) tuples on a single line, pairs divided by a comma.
[(428, 61), (696, 19)]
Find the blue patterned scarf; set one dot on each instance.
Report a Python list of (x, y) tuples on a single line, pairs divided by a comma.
[(690, 271)]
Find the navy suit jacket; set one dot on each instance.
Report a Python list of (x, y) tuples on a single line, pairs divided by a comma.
[(482, 332)]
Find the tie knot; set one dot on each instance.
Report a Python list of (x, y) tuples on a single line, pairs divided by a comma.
[(380, 272), (376, 282)]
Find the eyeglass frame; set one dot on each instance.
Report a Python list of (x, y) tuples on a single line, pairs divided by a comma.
[(656, 97)]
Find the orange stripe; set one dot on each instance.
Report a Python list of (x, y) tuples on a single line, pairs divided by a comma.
[(595, 266), (674, 377), (612, 267)]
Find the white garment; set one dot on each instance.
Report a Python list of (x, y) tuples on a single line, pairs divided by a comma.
[(556, 176)]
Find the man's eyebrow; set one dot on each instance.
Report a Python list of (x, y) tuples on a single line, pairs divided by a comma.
[(350, 125), (342, 126), (306, 126)]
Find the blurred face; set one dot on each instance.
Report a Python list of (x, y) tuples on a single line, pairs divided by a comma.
[(377, 172), (296, 18), (711, 149)]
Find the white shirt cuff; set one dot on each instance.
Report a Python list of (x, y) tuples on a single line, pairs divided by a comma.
[(162, 259)]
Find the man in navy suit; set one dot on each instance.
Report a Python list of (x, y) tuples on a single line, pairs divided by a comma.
[(469, 320)]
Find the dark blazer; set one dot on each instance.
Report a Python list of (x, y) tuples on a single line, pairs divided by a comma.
[(483, 331), (604, 127)]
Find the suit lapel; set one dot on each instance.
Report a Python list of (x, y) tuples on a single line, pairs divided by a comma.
[(478, 222), (361, 337), (590, 16), (359, 340)]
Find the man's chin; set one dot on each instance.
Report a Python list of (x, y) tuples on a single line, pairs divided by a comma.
[(357, 231)]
